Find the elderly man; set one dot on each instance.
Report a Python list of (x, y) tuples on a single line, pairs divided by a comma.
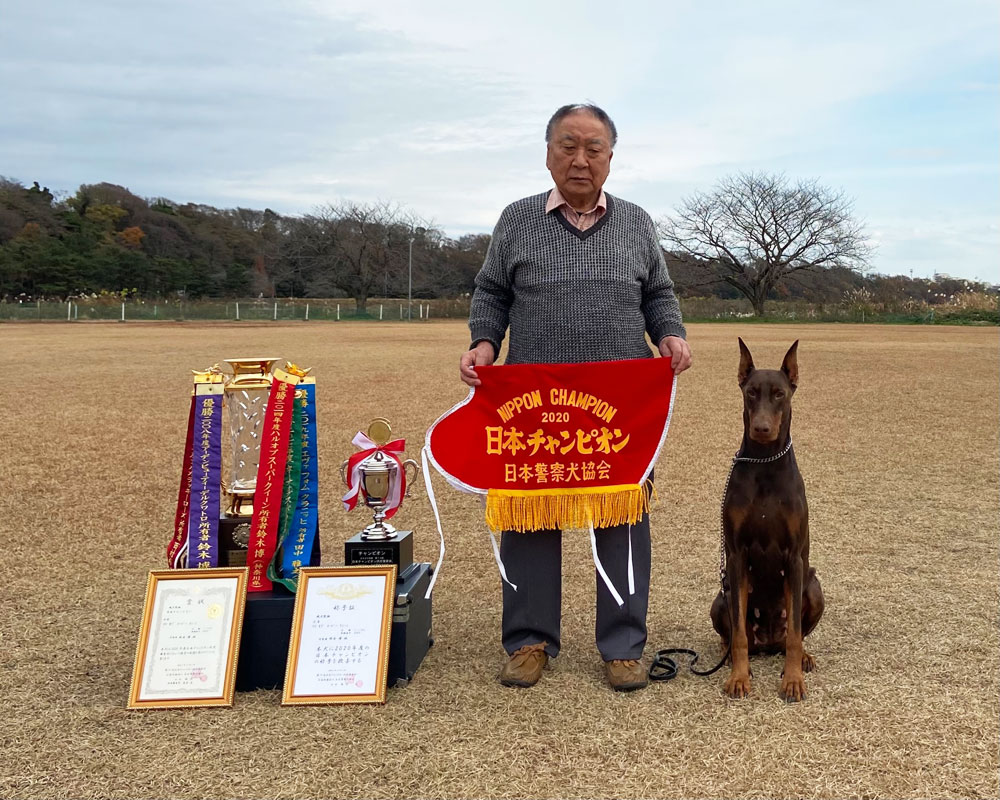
[(576, 275)]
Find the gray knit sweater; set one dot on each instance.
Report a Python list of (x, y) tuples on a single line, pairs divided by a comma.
[(570, 296)]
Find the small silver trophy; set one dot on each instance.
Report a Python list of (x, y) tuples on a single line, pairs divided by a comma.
[(379, 475)]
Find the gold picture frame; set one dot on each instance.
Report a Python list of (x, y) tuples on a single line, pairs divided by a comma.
[(339, 648), (189, 640)]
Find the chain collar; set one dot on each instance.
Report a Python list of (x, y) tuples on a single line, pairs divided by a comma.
[(722, 508), (744, 459)]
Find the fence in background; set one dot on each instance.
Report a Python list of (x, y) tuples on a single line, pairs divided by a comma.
[(697, 309), (226, 310)]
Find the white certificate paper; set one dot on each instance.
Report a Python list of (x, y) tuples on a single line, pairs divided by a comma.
[(189, 639), (342, 637)]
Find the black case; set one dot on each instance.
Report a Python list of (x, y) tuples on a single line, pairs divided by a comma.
[(267, 627), (411, 635), (267, 630)]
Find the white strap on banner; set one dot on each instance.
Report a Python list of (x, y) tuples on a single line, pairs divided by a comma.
[(437, 519), (600, 568), (631, 572), (496, 555), (181, 559)]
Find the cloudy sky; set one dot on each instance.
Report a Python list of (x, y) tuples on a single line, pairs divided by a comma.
[(441, 106)]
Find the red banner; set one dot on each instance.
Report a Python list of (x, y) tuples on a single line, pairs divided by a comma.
[(558, 445), (270, 480), (179, 539)]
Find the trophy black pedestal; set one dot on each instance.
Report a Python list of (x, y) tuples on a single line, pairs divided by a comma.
[(230, 553), (398, 550), (233, 555), (267, 628)]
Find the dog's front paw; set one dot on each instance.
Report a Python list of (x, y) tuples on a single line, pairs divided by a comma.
[(738, 685), (808, 663), (793, 688)]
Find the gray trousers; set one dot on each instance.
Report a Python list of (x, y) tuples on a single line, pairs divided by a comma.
[(531, 614)]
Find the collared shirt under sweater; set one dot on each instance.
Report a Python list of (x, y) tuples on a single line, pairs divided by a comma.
[(569, 296)]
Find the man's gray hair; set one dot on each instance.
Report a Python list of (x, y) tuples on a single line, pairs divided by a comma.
[(590, 108)]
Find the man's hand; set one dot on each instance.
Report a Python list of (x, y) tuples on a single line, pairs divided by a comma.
[(677, 350), (479, 356)]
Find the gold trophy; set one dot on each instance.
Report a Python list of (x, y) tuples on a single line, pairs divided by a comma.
[(246, 394), (379, 475)]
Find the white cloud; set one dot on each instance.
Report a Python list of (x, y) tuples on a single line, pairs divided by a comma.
[(962, 246), (441, 105)]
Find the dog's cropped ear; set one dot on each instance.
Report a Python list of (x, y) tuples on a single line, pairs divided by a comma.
[(790, 366), (746, 363)]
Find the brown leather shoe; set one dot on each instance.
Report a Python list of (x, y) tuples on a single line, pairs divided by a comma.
[(525, 666), (626, 676)]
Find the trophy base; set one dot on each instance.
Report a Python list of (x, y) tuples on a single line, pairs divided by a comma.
[(240, 505), (267, 629), (232, 554), (365, 552), (379, 533)]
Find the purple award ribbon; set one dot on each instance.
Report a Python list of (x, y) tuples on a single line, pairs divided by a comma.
[(206, 470)]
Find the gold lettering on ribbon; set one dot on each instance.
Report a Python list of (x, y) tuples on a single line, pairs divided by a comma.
[(523, 402), (500, 440), (299, 545), (601, 409), (204, 548), (532, 399), (266, 487)]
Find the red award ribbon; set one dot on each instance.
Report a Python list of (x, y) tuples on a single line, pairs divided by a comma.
[(270, 479), (176, 546), (368, 449)]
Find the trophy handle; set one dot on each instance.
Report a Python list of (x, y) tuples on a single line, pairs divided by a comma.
[(410, 479), (343, 473)]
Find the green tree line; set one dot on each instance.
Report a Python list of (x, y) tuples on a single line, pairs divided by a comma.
[(105, 239)]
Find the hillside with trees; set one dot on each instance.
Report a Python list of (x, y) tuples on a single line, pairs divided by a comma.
[(105, 240)]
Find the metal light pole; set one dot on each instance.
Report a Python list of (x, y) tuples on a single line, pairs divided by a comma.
[(409, 287), (414, 232), (385, 269)]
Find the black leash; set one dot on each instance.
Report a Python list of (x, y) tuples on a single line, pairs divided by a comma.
[(664, 668)]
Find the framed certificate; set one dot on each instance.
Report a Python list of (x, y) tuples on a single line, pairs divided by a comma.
[(189, 639), (339, 650)]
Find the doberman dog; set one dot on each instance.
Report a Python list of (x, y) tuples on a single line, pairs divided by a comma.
[(771, 598)]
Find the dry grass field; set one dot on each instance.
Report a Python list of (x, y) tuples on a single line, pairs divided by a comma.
[(896, 433)]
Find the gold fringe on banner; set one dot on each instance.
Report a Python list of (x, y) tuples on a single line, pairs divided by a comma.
[(547, 509)]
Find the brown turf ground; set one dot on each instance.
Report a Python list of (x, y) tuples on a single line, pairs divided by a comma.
[(896, 432)]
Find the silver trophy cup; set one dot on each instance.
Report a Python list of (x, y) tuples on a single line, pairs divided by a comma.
[(378, 475)]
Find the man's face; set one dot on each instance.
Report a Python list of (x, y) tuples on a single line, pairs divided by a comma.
[(579, 158)]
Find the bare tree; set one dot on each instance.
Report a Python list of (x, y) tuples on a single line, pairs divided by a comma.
[(351, 247), (363, 248), (309, 255), (757, 229)]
